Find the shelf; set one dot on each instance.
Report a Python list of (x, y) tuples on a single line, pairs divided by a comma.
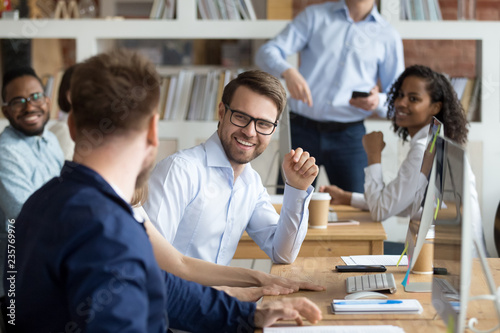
[(140, 29), (479, 30)]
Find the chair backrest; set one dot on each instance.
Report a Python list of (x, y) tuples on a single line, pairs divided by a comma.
[(496, 230)]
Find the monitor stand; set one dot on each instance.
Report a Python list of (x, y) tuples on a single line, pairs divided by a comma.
[(418, 287), (494, 294)]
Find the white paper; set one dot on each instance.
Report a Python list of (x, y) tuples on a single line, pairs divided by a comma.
[(386, 260), (348, 261), (336, 329)]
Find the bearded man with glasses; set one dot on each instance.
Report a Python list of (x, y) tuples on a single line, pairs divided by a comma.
[(30, 155), (202, 199)]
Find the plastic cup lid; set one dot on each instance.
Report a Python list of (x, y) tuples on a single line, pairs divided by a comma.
[(321, 196)]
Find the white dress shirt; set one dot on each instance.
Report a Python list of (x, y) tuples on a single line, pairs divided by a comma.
[(199, 208), (395, 198)]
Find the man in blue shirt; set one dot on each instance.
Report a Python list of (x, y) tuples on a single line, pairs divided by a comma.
[(202, 199), (344, 46), (83, 262), (30, 154)]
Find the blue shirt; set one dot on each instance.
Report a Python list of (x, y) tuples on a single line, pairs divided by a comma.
[(197, 205), (26, 163), (84, 263), (337, 56)]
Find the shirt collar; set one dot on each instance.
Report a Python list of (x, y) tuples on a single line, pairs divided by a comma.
[(421, 134), (216, 156), (374, 15), (136, 213)]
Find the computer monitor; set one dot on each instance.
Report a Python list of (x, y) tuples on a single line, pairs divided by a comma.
[(427, 195), (284, 137), (453, 241)]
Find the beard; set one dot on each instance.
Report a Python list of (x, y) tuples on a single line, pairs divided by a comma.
[(236, 156), (147, 168), (27, 131)]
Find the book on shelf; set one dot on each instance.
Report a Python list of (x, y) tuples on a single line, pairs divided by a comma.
[(222, 9), (468, 91), (192, 94), (165, 82), (232, 9), (420, 10), (228, 9), (472, 112), (467, 94), (157, 9), (172, 87), (169, 11), (162, 9), (242, 8)]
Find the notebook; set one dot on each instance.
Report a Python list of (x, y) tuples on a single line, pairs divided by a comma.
[(376, 306)]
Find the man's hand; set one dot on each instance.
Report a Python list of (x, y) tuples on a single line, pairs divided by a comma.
[(297, 86), (339, 196), (268, 313), (300, 169), (374, 144), (289, 283), (369, 103)]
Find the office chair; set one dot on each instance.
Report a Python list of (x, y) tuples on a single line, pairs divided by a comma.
[(496, 229)]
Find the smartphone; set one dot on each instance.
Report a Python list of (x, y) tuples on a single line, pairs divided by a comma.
[(356, 94), (360, 268)]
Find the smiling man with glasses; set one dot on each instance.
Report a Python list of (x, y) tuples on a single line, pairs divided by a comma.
[(202, 199), (30, 155)]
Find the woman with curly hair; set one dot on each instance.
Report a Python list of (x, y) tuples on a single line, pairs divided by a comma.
[(417, 95)]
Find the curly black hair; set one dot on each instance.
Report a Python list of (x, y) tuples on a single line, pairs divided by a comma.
[(452, 114)]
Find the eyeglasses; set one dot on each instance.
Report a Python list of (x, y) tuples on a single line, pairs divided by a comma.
[(19, 103), (242, 120)]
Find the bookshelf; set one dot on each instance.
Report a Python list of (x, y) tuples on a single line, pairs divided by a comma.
[(93, 36)]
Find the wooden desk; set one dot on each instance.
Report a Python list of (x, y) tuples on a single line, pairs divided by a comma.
[(322, 271), (366, 238)]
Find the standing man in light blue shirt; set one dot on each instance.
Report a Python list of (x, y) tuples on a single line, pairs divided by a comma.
[(202, 199), (344, 46), (30, 155)]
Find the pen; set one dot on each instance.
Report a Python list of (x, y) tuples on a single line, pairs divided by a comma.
[(363, 302)]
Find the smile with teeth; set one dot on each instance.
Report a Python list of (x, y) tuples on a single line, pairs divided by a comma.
[(31, 117), (244, 143)]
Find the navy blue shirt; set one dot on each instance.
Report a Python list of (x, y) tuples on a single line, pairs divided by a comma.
[(83, 263)]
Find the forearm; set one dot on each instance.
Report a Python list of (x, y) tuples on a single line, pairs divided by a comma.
[(292, 226), (196, 270), (210, 274)]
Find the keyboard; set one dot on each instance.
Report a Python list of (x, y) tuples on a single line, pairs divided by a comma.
[(447, 289), (371, 282)]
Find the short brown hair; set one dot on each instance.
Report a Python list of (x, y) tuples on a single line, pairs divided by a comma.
[(260, 82), (114, 92)]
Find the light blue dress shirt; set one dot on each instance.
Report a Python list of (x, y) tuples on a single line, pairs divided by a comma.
[(337, 56), (199, 208), (26, 163)]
